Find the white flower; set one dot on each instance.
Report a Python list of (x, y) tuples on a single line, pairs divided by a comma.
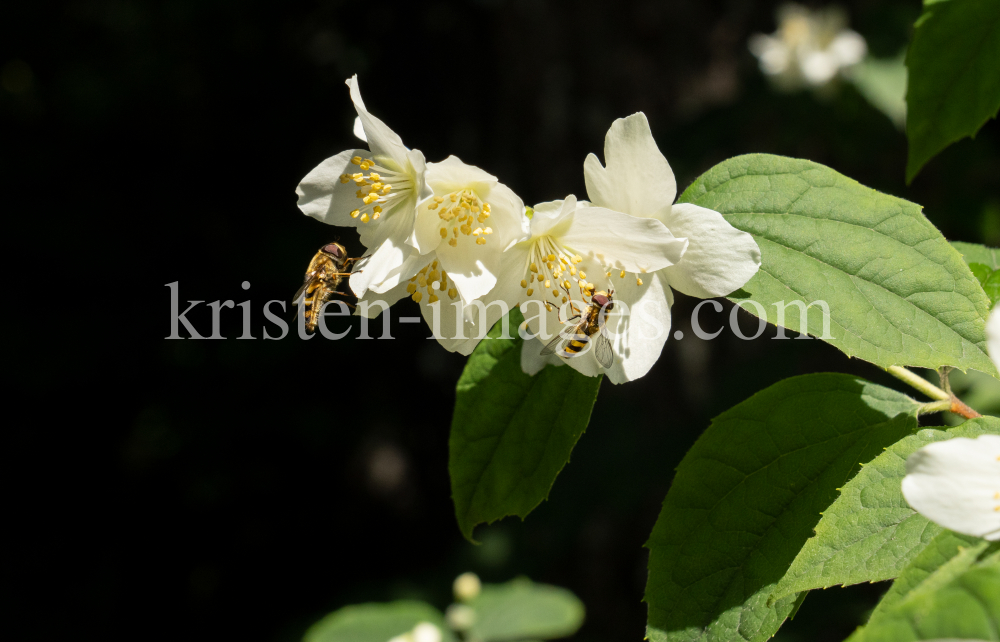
[(956, 484), (638, 181), (471, 219), (460, 235), (467, 587), (422, 632), (376, 191), (572, 253), (809, 47)]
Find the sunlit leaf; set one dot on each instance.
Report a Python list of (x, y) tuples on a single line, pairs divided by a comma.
[(957, 599), (975, 253), (897, 292), (870, 533), (747, 496)]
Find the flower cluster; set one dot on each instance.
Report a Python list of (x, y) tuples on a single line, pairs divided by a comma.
[(809, 48), (451, 234)]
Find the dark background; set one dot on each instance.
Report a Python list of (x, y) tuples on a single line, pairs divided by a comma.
[(164, 490)]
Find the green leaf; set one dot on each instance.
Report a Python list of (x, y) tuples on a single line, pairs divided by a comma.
[(898, 293), (376, 622), (882, 81), (870, 533), (954, 85), (992, 287), (974, 253), (981, 272), (747, 496), (960, 599), (522, 609), (511, 434), (944, 547)]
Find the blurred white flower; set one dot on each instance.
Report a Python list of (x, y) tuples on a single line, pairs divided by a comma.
[(956, 484), (809, 48), (467, 586), (460, 617), (423, 632)]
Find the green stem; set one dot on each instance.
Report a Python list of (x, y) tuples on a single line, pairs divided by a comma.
[(918, 382), (945, 401), (934, 406)]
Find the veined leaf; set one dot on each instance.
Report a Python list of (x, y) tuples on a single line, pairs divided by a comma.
[(897, 292), (954, 85), (945, 546), (511, 434), (747, 496), (870, 533), (376, 622), (960, 599)]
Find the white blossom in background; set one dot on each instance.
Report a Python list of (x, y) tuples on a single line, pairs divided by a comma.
[(809, 48), (572, 252), (467, 587), (423, 632), (956, 484), (638, 181), (375, 191)]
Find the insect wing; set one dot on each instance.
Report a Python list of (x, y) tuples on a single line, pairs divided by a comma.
[(561, 340), (301, 290), (603, 350)]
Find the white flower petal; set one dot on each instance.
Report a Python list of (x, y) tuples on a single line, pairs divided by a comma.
[(359, 129), (390, 264), (322, 195), (474, 275), (956, 484), (849, 47), (638, 179), (532, 361), (550, 214), (621, 241), (638, 338), (452, 174), (373, 309), (381, 140), (993, 336), (719, 258)]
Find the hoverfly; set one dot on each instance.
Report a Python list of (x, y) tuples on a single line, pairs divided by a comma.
[(591, 326), (323, 276)]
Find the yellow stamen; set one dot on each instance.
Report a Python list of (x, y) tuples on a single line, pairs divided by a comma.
[(480, 241), (530, 291), (524, 283), (411, 288), (355, 213), (452, 292), (444, 232), (416, 297), (638, 281)]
